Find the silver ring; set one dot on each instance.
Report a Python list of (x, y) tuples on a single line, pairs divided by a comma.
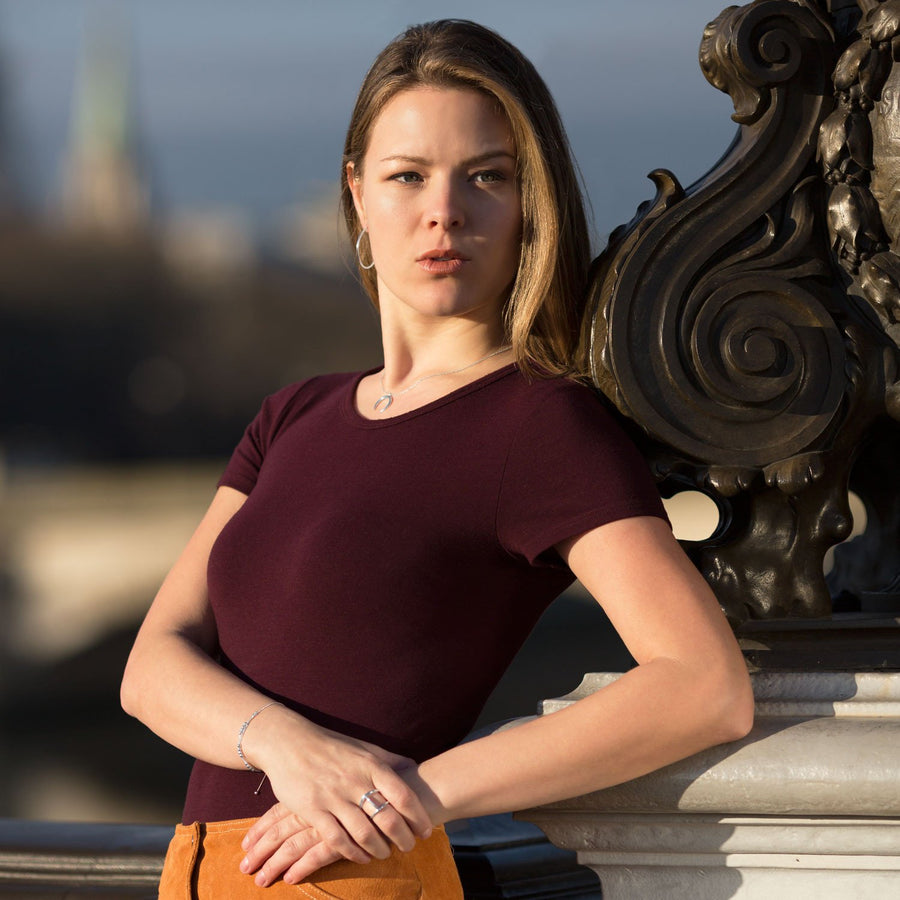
[(376, 807)]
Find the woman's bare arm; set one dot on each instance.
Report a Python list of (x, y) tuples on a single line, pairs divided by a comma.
[(173, 685), (689, 691), (171, 682)]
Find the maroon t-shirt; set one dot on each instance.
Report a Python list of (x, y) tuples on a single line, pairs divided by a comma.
[(383, 573)]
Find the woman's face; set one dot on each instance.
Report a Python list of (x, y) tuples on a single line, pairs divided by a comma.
[(439, 196)]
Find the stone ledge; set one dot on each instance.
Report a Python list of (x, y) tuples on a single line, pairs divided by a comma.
[(597, 836), (786, 692), (807, 806), (842, 763)]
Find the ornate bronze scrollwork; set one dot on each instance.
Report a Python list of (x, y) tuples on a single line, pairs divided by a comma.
[(864, 129), (859, 148), (721, 323)]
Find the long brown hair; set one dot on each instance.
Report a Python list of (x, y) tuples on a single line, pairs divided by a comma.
[(542, 315)]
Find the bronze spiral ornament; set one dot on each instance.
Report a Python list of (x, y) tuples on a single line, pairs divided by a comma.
[(748, 374), (712, 323), (749, 50), (766, 53)]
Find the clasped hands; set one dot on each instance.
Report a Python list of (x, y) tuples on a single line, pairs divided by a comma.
[(322, 817)]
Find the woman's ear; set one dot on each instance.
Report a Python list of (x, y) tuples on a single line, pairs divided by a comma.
[(355, 185)]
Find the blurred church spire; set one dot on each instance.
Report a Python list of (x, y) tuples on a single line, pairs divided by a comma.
[(103, 190)]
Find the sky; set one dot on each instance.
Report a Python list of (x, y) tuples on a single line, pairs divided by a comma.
[(242, 104)]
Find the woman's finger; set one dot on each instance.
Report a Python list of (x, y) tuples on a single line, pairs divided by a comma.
[(395, 828), (332, 832), (293, 849), (268, 842), (363, 830), (274, 815), (314, 859), (389, 820), (405, 802)]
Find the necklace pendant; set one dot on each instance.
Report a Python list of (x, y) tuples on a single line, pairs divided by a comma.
[(387, 398)]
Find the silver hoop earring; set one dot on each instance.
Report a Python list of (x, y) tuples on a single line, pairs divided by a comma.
[(371, 265)]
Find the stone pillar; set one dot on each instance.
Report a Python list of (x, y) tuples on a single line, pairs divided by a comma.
[(807, 807)]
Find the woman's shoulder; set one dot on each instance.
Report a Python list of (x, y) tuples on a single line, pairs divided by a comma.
[(542, 394), (279, 409), (569, 415), (315, 387)]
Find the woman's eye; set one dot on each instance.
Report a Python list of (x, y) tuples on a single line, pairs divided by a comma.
[(406, 177), (488, 177)]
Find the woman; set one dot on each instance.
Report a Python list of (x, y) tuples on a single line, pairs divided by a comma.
[(381, 543)]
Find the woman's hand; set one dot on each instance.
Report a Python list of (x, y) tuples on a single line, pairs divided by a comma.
[(280, 844), (320, 778)]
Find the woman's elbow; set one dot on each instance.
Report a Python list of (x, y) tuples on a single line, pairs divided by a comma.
[(128, 695), (734, 707), (131, 690)]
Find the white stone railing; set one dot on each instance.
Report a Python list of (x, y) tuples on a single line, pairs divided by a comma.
[(806, 807)]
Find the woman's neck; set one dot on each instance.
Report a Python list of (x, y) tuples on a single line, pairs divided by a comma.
[(424, 366), (414, 353)]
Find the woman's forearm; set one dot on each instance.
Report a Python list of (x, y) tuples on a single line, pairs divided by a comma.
[(653, 715), (178, 691)]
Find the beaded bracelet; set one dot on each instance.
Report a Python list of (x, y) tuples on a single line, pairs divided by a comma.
[(240, 749)]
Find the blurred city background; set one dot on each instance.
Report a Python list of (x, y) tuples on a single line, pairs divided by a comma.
[(170, 253)]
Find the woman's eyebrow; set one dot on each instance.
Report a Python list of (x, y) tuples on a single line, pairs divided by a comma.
[(471, 161)]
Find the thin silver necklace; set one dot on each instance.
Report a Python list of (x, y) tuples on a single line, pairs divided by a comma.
[(387, 397)]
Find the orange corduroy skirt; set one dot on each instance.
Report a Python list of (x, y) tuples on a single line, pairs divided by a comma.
[(203, 859)]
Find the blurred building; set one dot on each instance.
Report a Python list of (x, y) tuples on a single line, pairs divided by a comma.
[(129, 331), (103, 189), (312, 234)]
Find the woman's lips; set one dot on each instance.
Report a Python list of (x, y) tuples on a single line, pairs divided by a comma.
[(441, 262)]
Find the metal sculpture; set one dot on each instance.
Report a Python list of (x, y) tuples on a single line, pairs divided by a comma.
[(750, 324)]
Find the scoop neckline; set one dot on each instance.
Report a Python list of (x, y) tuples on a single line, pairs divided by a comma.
[(355, 417)]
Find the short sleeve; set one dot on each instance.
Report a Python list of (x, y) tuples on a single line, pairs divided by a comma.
[(246, 461), (571, 468)]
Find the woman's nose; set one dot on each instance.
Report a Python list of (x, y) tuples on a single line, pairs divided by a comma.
[(446, 207)]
